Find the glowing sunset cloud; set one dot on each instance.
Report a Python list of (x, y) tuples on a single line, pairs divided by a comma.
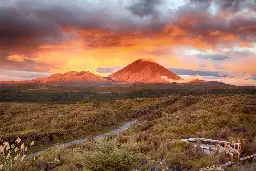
[(54, 36)]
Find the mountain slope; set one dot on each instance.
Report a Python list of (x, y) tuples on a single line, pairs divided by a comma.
[(71, 78), (143, 71)]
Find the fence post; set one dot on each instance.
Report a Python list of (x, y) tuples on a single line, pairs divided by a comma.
[(224, 152), (217, 148), (238, 156), (242, 146), (231, 157)]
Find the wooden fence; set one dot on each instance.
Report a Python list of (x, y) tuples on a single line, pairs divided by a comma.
[(229, 149)]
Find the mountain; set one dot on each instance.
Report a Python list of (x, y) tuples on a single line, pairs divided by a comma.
[(71, 78), (140, 71), (143, 71), (197, 81)]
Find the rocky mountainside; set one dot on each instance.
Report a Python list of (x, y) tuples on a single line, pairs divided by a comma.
[(143, 71)]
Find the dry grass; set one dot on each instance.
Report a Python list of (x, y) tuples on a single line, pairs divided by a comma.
[(162, 121), (51, 123)]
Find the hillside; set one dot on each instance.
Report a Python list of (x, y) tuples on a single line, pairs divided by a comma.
[(71, 78), (143, 71)]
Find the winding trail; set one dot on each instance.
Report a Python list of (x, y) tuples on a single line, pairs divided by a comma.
[(78, 141)]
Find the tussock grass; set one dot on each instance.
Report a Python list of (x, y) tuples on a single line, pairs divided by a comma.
[(153, 143), (52, 123)]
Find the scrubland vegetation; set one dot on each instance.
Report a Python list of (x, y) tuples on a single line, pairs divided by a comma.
[(47, 94), (151, 144), (51, 123)]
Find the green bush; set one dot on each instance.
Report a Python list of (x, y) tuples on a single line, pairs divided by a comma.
[(108, 155)]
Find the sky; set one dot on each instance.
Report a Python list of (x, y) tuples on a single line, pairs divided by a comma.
[(210, 39)]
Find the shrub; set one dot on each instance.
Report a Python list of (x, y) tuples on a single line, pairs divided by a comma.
[(108, 155), (11, 155)]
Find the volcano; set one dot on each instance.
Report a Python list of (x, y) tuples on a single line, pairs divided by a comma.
[(143, 71)]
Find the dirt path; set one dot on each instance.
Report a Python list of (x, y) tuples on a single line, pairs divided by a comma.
[(78, 141)]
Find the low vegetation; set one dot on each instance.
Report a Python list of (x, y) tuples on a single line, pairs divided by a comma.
[(12, 155), (151, 144), (46, 94), (52, 123)]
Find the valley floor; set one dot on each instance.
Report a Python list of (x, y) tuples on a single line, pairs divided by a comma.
[(152, 143)]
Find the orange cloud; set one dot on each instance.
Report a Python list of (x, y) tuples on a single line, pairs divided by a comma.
[(245, 44), (244, 65), (94, 48), (228, 38), (94, 33), (216, 33), (16, 58), (117, 50), (174, 31), (246, 28)]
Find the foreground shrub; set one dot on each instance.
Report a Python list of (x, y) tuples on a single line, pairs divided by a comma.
[(12, 154), (108, 155)]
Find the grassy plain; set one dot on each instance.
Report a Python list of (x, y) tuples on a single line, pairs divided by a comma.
[(153, 143)]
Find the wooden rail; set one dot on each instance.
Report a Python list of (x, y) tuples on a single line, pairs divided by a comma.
[(228, 149), (228, 164), (241, 160)]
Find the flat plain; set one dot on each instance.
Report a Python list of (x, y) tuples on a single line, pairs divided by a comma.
[(164, 117)]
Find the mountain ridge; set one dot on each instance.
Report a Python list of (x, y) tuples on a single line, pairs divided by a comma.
[(139, 71), (68, 78)]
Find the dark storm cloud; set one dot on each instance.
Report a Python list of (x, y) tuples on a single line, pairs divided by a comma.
[(24, 29), (28, 24), (197, 19), (213, 57), (234, 5), (25, 25), (226, 5), (144, 8), (108, 41)]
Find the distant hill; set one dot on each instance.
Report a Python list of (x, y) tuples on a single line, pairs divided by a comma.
[(197, 81), (143, 71), (71, 78)]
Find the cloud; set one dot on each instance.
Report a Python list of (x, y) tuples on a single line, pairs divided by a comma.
[(239, 81), (105, 70), (20, 75), (16, 58), (226, 80), (239, 66), (24, 64), (186, 79), (213, 57), (144, 8), (29, 24), (175, 70), (233, 6), (63, 35), (225, 26), (197, 72)]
